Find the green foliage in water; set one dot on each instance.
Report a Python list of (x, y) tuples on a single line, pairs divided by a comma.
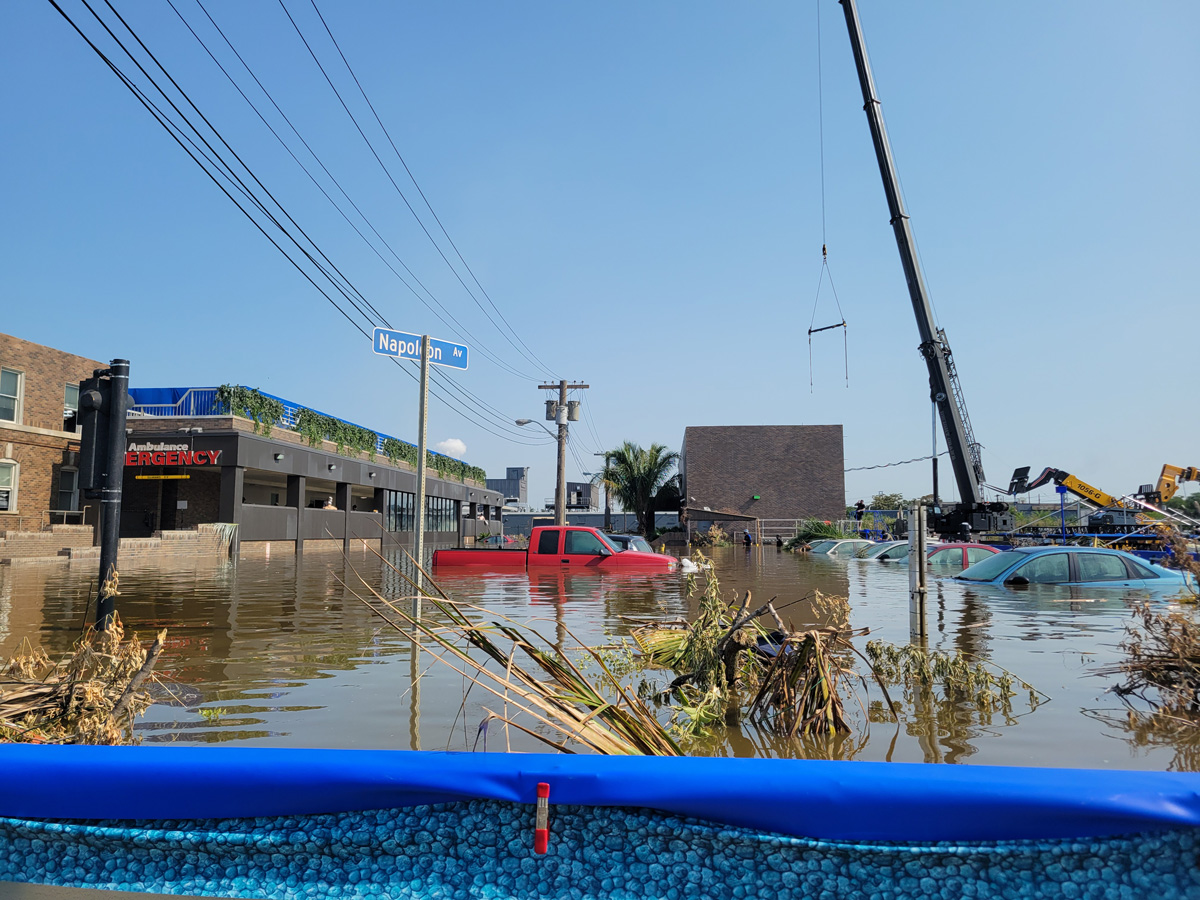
[(811, 530)]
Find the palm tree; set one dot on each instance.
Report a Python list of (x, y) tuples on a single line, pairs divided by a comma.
[(634, 476)]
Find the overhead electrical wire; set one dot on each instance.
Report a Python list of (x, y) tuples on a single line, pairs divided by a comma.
[(217, 165), (500, 417), (399, 191), (530, 354), (457, 326)]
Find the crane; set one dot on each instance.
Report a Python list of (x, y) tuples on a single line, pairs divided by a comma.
[(944, 387), (1169, 478)]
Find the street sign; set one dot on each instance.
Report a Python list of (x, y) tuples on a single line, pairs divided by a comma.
[(408, 346)]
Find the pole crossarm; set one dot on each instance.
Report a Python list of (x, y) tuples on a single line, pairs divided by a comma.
[(560, 416)]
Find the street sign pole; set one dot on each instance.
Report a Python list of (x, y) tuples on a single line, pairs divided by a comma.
[(421, 437), (430, 351)]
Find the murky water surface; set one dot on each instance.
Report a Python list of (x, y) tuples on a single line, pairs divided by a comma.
[(272, 652)]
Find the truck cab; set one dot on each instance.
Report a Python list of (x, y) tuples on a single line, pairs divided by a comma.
[(579, 547)]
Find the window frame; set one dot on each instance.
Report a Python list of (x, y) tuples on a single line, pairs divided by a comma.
[(542, 550), (67, 387), (1071, 568), (74, 507), (14, 489), (1077, 572), (18, 399), (585, 534)]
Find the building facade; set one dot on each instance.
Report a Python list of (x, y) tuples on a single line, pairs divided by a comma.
[(188, 463), (39, 443), (764, 471)]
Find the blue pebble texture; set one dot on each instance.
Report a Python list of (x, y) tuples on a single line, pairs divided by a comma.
[(484, 849)]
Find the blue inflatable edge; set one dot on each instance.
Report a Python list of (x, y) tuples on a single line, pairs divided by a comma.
[(816, 799)]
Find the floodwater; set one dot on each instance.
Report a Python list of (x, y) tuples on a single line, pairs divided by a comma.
[(276, 652)]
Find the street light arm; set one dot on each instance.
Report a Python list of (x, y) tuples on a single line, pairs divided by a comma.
[(535, 422)]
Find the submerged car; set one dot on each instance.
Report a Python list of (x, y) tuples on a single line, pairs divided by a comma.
[(957, 557), (629, 542), (850, 547), (885, 547), (1088, 566)]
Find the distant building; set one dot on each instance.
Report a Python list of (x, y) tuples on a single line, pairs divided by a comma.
[(764, 471), (514, 486), (581, 495), (39, 441)]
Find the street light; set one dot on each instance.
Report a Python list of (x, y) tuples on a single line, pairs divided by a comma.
[(560, 489)]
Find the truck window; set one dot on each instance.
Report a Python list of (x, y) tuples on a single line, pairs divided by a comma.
[(584, 543), (548, 542)]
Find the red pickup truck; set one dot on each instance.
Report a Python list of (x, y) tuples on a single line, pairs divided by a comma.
[(561, 546)]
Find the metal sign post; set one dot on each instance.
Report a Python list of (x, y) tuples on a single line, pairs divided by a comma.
[(917, 579), (429, 351), (422, 428)]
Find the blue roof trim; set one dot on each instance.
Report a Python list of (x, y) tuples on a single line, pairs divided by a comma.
[(827, 800), (171, 395)]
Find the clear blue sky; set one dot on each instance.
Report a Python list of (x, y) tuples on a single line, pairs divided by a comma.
[(638, 188)]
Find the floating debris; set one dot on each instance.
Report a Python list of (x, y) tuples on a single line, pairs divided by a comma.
[(91, 697)]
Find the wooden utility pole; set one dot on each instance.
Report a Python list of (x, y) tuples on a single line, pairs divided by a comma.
[(560, 416)]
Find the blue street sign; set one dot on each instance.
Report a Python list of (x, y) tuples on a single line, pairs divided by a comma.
[(408, 346)]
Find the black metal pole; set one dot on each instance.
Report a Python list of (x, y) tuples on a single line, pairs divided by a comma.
[(110, 495)]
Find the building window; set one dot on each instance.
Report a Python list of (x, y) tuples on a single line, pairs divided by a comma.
[(399, 511), (10, 395), (441, 514), (9, 472), (71, 409), (68, 490)]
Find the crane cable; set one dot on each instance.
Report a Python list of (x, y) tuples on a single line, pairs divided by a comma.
[(825, 271)]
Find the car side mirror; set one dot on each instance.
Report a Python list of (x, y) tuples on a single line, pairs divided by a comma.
[(1018, 581), (604, 551)]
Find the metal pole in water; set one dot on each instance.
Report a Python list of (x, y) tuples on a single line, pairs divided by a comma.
[(110, 502), (917, 584), (422, 429), (1062, 510)]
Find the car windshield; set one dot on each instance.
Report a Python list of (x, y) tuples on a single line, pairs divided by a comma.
[(822, 546), (991, 567), (847, 548), (629, 542), (879, 549)]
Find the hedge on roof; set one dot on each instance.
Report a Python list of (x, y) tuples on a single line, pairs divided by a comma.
[(350, 439), (265, 412)]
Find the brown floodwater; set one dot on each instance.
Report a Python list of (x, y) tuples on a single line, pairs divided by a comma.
[(276, 652)]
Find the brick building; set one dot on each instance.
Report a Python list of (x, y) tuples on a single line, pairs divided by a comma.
[(764, 471), (39, 445)]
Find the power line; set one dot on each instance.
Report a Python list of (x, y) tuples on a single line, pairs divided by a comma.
[(479, 345), (531, 355), (392, 180), (903, 462), (222, 167)]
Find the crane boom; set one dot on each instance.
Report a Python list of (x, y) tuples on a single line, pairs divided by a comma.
[(944, 387)]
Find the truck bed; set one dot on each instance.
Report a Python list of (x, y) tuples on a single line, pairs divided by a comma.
[(492, 559)]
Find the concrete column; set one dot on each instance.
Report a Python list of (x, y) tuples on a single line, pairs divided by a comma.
[(233, 483), (297, 488), (342, 499), (380, 506)]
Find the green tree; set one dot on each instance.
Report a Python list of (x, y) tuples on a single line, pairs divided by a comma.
[(886, 501), (635, 477)]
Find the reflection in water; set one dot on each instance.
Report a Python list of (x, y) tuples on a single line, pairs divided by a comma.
[(292, 659)]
